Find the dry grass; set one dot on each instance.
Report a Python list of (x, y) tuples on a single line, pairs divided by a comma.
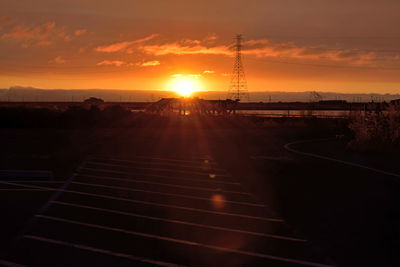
[(377, 131)]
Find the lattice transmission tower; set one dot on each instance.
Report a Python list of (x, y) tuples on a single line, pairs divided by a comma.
[(238, 86)]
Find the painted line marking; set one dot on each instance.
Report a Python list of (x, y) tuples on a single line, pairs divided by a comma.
[(10, 264), (170, 194), (199, 161), (160, 204), (57, 192), (272, 158), (28, 186), (35, 181), (157, 163), (164, 184), (287, 147), (152, 166), (173, 171), (185, 242), (98, 250), (160, 176), (183, 222), (26, 189)]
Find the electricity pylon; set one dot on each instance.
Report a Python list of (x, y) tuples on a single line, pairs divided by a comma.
[(238, 87)]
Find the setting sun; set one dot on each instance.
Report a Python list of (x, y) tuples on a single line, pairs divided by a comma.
[(185, 85)]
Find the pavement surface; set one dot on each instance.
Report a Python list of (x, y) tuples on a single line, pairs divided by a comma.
[(154, 210), (146, 196)]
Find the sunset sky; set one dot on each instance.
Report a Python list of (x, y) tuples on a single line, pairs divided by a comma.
[(289, 45)]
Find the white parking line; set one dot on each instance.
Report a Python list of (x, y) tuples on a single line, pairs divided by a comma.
[(164, 184), (157, 163), (25, 189), (36, 181), (272, 158), (185, 242), (198, 161), (10, 264), (44, 207), (161, 176), (151, 167), (98, 250), (156, 204), (182, 222), (172, 170), (170, 194), (27, 186)]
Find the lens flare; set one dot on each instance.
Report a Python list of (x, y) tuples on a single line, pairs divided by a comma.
[(218, 201)]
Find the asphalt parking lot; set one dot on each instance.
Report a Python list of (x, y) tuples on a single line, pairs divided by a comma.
[(156, 211)]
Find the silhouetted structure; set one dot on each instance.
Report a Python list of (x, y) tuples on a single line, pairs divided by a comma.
[(395, 102), (184, 106), (315, 97), (238, 88), (94, 101)]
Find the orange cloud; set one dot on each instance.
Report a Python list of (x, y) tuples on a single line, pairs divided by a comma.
[(208, 72), (26, 33), (80, 32), (259, 48), (116, 63), (211, 37), (123, 46), (119, 63), (42, 35), (265, 48), (190, 42), (179, 49), (114, 47), (58, 60), (150, 63)]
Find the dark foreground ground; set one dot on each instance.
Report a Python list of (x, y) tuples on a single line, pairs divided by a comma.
[(349, 216)]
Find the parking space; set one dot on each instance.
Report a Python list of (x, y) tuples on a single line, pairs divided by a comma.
[(156, 211)]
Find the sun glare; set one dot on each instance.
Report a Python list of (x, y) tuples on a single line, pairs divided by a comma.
[(185, 85)]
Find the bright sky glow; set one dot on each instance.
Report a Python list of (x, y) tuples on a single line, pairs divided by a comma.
[(185, 85)]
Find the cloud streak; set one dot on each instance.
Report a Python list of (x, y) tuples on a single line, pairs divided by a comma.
[(58, 60), (179, 49), (123, 46), (41, 35), (31, 33), (116, 63), (80, 32), (265, 48), (262, 48), (150, 63), (208, 72)]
